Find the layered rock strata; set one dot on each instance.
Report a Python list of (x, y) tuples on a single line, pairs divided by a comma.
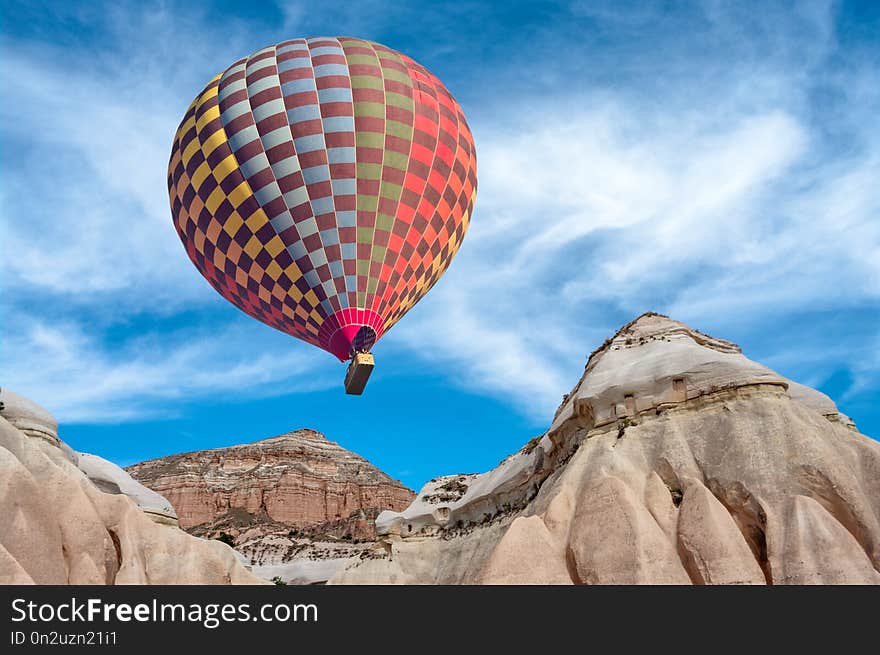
[(299, 480), (674, 460)]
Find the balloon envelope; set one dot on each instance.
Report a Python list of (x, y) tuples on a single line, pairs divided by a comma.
[(323, 186)]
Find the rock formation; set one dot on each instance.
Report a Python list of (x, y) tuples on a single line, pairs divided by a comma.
[(298, 559), (299, 479), (37, 422), (674, 460), (72, 518), (113, 480), (298, 506)]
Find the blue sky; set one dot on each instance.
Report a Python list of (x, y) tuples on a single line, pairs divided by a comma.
[(714, 161)]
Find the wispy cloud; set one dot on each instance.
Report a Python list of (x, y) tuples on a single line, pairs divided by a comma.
[(84, 199), (82, 378), (715, 163), (97, 287), (736, 207)]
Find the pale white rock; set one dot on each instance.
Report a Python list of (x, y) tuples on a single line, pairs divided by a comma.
[(438, 504), (712, 548), (58, 527), (303, 571), (655, 361), (819, 402), (37, 422), (615, 540), (426, 560), (660, 504), (110, 478), (296, 559), (559, 509), (28, 416), (526, 554), (675, 459), (817, 549)]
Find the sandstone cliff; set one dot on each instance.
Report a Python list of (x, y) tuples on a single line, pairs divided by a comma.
[(674, 460), (298, 506), (298, 480), (72, 518)]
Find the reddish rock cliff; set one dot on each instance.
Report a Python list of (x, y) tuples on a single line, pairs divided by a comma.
[(299, 479)]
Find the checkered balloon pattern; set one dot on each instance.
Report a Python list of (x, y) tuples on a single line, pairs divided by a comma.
[(323, 186)]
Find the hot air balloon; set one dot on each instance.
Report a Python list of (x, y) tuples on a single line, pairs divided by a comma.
[(323, 186)]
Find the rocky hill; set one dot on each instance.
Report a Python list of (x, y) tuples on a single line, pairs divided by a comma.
[(73, 518), (299, 480), (297, 506), (674, 460)]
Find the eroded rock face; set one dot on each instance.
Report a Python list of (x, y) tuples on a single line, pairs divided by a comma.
[(299, 480), (36, 422), (675, 459), (59, 527), (27, 416), (109, 478)]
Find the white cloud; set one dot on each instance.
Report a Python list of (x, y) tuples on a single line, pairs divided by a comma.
[(81, 379), (577, 213), (730, 191), (85, 203), (736, 207), (473, 344), (88, 241), (865, 370)]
